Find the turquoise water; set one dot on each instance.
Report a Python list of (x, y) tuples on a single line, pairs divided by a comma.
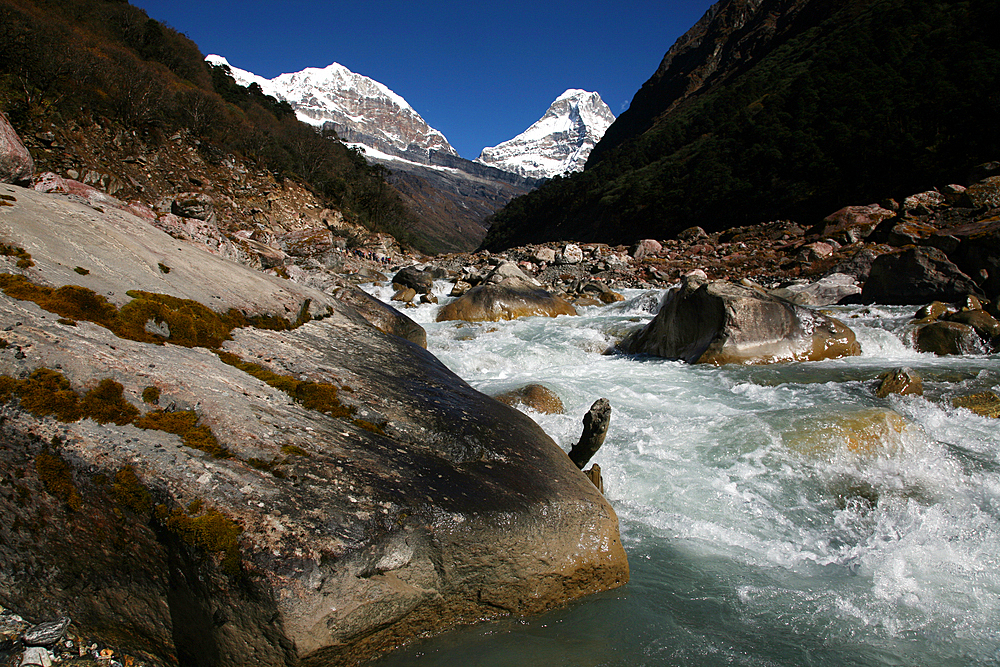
[(778, 515)]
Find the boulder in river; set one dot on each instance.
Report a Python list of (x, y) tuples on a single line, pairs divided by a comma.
[(721, 323), (916, 276), (536, 396)]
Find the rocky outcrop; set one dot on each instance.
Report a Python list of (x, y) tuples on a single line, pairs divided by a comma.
[(325, 492), (722, 323)]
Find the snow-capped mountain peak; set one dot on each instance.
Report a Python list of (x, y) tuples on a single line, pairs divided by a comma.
[(360, 109), (557, 143)]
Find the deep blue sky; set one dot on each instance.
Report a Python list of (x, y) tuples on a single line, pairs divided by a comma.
[(480, 72)]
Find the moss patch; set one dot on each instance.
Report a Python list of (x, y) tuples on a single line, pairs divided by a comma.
[(129, 491), (82, 271), (190, 323), (319, 396), (106, 403), (47, 392), (185, 424), (57, 477), (211, 531), (151, 395), (24, 260)]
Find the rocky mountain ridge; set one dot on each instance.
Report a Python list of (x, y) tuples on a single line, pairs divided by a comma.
[(359, 109), (559, 142), (451, 197)]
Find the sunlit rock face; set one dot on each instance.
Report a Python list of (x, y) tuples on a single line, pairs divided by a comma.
[(559, 142)]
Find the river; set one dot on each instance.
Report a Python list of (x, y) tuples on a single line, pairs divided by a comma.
[(772, 515)]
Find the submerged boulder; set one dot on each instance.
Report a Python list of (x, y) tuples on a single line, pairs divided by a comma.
[(538, 397), (722, 323), (312, 493)]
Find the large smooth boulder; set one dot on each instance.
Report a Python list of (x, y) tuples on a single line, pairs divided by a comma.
[(418, 280), (16, 165), (722, 323), (945, 338), (358, 494), (916, 276)]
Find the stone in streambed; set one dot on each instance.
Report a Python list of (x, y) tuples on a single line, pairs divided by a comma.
[(722, 323), (492, 303), (535, 396)]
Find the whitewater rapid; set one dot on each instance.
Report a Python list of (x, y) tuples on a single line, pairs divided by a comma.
[(773, 515)]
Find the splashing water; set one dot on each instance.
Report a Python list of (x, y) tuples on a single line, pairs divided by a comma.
[(773, 515)]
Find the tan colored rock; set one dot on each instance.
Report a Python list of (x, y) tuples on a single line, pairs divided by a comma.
[(985, 404), (492, 303), (722, 323), (903, 381), (538, 397), (867, 433)]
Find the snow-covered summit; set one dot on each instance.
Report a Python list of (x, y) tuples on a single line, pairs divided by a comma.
[(559, 142), (361, 109)]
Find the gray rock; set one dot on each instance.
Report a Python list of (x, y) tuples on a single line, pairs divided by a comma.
[(570, 254), (831, 289), (16, 165), (595, 429), (355, 532), (720, 323), (36, 656), (420, 281), (196, 205), (47, 633), (645, 248)]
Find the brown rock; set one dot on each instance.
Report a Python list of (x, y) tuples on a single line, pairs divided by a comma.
[(901, 381), (491, 303), (535, 396), (944, 338), (985, 404)]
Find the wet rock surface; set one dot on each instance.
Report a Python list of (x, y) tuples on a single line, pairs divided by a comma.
[(720, 322)]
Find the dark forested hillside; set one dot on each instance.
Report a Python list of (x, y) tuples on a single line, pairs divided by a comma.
[(825, 104), (104, 62)]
